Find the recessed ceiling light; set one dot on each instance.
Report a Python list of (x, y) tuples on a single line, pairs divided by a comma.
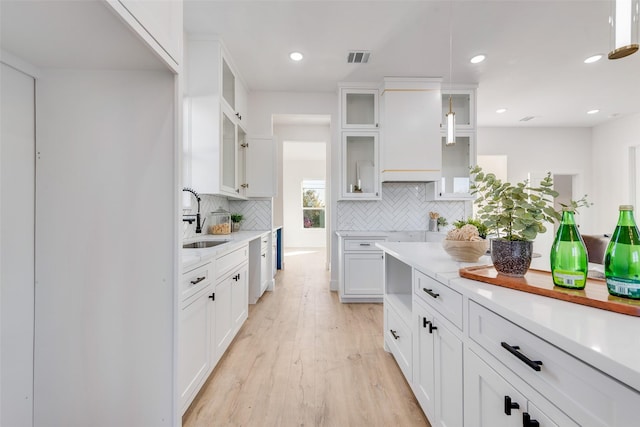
[(593, 111), (501, 110), (296, 56), (477, 59), (592, 59)]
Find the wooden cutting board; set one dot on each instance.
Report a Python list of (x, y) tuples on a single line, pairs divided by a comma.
[(540, 282)]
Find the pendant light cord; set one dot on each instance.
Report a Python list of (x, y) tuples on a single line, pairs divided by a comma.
[(450, 49)]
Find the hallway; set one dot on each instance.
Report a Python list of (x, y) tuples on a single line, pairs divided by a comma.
[(304, 359)]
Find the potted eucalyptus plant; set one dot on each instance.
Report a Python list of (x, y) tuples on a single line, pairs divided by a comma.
[(514, 214)]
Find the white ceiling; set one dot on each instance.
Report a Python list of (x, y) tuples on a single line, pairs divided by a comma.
[(49, 34), (535, 51)]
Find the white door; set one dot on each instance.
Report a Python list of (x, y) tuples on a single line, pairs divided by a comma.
[(17, 235)]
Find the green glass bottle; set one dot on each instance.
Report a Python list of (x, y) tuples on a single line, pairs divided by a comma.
[(569, 262), (622, 259)]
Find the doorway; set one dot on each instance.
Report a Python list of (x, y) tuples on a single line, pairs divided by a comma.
[(303, 204)]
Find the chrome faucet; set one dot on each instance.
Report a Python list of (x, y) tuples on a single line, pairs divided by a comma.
[(197, 219)]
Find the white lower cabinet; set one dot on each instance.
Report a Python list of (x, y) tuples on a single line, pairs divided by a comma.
[(398, 338), (362, 272), (196, 309), (211, 314), (232, 297), (492, 401), (240, 298), (222, 330), (437, 371)]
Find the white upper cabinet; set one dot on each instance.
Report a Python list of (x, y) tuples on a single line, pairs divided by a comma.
[(360, 157), (359, 108), (260, 169), (459, 157), (410, 110), (360, 176), (463, 103), (214, 127), (159, 23)]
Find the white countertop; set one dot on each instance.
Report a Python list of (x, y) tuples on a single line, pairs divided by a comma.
[(397, 236), (608, 341), (192, 257)]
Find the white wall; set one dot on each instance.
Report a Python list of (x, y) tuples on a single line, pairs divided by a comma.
[(262, 107), (106, 248), (565, 151), (611, 177), (296, 170), (532, 152), (17, 245)]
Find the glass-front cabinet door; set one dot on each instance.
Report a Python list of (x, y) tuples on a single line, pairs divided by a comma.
[(456, 160), (360, 168), (242, 162), (228, 85), (462, 104), (359, 108), (228, 173)]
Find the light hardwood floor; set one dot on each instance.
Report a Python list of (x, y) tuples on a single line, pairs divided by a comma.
[(304, 359)]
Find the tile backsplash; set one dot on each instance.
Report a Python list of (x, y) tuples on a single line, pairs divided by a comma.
[(208, 203), (402, 207), (257, 213)]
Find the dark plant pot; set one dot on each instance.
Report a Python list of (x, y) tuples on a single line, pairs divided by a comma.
[(511, 258)]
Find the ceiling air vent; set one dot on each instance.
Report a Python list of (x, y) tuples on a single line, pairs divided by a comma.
[(526, 119), (358, 57)]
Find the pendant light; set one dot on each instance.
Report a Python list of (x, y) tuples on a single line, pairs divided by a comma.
[(624, 25), (451, 116)]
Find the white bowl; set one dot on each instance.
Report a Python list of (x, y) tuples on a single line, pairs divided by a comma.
[(465, 251)]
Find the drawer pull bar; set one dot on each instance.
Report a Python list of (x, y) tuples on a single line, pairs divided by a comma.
[(430, 292), (394, 333), (509, 405), (528, 422), (365, 244), (198, 280), (213, 296), (533, 364)]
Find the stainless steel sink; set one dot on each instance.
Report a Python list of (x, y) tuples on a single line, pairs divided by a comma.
[(204, 244)]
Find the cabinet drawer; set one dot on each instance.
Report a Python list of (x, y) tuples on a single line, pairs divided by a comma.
[(229, 260), (440, 296), (264, 243), (589, 396), (397, 335), (361, 244), (194, 280)]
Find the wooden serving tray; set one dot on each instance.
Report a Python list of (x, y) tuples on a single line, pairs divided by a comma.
[(539, 282)]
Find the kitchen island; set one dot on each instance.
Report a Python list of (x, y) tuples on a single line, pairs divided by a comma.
[(515, 358)]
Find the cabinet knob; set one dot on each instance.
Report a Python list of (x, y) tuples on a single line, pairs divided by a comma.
[(394, 333), (528, 422), (509, 405)]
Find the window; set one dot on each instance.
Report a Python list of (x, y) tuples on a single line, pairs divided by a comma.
[(313, 203)]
